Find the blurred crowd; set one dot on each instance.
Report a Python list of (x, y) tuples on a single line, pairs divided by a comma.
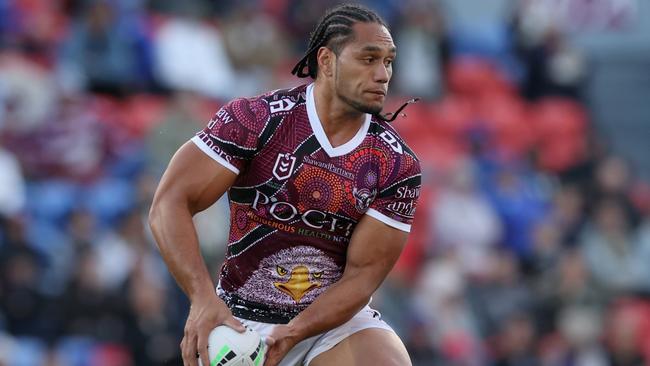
[(531, 244)]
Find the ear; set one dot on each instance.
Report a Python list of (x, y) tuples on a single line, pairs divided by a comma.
[(326, 59)]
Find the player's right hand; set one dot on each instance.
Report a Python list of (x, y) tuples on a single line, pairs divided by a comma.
[(206, 313)]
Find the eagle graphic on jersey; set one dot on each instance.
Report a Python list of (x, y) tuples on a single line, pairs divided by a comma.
[(291, 276)]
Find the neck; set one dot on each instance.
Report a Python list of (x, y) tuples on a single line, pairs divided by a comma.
[(340, 121)]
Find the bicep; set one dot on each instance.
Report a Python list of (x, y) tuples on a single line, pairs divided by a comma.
[(193, 178), (373, 250)]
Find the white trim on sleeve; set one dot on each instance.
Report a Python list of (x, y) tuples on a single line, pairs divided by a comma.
[(206, 149), (388, 221)]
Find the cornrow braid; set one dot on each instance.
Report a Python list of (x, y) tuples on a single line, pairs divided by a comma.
[(333, 31)]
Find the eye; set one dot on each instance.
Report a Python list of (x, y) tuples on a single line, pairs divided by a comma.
[(317, 275), (388, 62), (281, 271), (368, 60)]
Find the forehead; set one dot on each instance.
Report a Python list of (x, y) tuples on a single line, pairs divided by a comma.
[(371, 35)]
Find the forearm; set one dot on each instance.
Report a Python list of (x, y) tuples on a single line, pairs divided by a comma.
[(334, 307), (365, 270), (174, 231)]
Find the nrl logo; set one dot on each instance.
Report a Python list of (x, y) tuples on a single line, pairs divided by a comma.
[(284, 165), (363, 197)]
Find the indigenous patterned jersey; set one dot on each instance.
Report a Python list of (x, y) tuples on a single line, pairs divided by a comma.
[(297, 199)]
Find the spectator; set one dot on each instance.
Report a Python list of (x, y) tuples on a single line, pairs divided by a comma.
[(464, 223), (424, 50), (617, 254), (521, 197), (500, 295), (191, 56), (12, 185), (552, 66), (101, 52), (255, 45), (516, 341), (22, 303)]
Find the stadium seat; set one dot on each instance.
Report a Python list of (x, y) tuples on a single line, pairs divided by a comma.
[(553, 117), (51, 200), (452, 117), (75, 351), (475, 77), (109, 199), (110, 355), (28, 351), (506, 118)]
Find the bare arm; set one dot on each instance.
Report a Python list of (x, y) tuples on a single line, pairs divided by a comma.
[(372, 253), (373, 250), (191, 183)]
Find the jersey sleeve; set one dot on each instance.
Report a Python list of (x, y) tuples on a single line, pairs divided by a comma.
[(395, 203), (231, 136)]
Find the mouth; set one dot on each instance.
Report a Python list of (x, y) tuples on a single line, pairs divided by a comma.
[(377, 92)]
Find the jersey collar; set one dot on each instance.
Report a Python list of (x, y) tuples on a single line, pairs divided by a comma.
[(324, 142)]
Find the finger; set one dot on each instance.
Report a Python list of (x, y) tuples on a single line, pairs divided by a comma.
[(202, 347), (270, 360), (189, 350), (235, 324), (182, 345)]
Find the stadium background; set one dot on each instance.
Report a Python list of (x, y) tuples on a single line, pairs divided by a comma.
[(532, 241)]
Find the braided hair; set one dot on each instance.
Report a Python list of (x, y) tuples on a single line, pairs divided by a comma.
[(334, 31)]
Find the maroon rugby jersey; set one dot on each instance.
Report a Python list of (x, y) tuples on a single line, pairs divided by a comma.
[(297, 199)]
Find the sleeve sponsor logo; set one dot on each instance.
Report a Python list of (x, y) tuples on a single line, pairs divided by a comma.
[(213, 146), (282, 105), (222, 115), (406, 192), (406, 205), (391, 140)]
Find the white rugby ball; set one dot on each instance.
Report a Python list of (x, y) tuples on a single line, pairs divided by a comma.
[(227, 347)]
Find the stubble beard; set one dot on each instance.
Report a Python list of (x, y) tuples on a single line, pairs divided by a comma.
[(359, 106), (363, 108)]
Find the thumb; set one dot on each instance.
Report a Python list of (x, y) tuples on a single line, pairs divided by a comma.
[(235, 324), (269, 340)]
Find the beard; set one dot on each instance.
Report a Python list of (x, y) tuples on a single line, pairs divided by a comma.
[(359, 106)]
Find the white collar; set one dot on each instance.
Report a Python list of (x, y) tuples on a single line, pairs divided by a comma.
[(317, 127)]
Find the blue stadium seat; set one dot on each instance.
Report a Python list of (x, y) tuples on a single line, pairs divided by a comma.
[(109, 199), (75, 351), (52, 200), (28, 351)]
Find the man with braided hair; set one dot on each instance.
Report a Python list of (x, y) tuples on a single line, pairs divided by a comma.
[(322, 194)]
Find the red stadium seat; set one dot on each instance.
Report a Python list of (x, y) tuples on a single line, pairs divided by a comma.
[(452, 116), (506, 117), (560, 128), (474, 77), (555, 117)]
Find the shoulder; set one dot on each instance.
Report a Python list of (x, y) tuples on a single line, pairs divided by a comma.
[(283, 101), (385, 134), (253, 113)]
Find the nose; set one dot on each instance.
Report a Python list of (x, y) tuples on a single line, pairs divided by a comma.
[(382, 73)]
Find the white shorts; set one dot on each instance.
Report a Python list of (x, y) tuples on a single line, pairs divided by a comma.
[(305, 351)]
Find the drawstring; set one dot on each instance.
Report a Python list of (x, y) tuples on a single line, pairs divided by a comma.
[(386, 116)]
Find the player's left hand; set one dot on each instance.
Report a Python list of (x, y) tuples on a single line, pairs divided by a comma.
[(280, 342)]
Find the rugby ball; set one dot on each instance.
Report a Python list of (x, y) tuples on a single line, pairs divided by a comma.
[(227, 347)]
